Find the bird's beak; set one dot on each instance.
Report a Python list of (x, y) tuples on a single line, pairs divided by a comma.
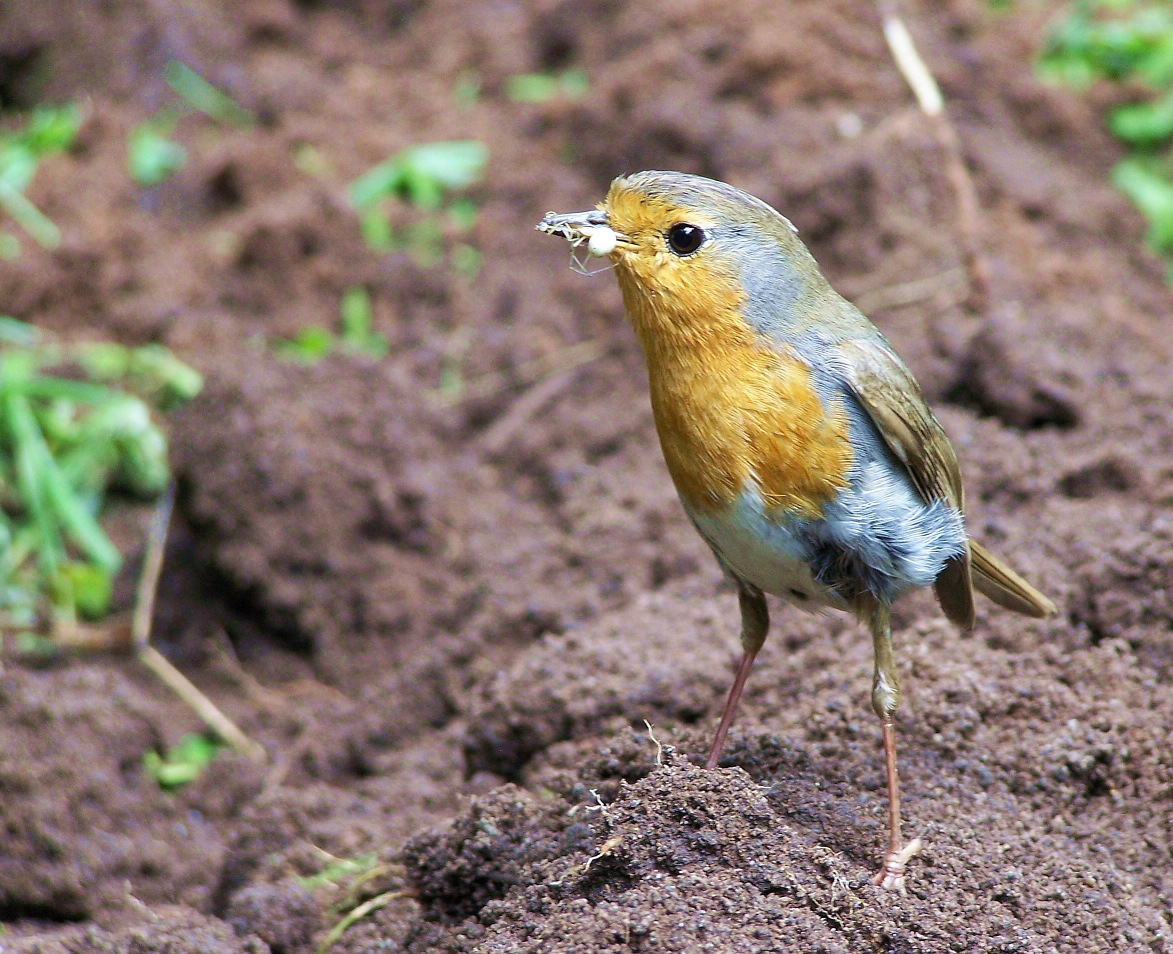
[(578, 227), (573, 225)]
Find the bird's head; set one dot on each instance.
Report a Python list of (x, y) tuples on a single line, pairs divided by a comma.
[(692, 253)]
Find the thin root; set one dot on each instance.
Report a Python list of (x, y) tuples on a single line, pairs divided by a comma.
[(656, 742), (155, 661)]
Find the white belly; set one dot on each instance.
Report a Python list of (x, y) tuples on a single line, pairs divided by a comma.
[(763, 552)]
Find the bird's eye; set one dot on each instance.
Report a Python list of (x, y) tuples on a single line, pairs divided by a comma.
[(684, 239)]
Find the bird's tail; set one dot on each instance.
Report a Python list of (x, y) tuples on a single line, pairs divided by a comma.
[(995, 580)]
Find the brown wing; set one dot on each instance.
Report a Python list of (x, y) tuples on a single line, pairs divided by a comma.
[(889, 393)]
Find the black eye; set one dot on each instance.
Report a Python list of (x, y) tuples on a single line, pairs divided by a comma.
[(684, 239)]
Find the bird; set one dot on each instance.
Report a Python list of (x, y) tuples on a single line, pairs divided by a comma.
[(801, 446)]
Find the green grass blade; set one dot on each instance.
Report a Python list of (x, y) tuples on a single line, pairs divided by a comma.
[(29, 217), (75, 519), (66, 389), (54, 497), (199, 94), (25, 435)]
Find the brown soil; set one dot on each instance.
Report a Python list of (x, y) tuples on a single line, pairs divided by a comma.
[(447, 621)]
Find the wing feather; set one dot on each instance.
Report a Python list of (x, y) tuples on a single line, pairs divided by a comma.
[(892, 398)]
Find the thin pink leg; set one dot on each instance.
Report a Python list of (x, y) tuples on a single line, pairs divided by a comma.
[(891, 873), (730, 709), (755, 623)]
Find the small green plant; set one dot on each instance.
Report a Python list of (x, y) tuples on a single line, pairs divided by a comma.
[(313, 343), (425, 178), (75, 424), (356, 318), (542, 87), (151, 154), (365, 886), (338, 870), (182, 763), (47, 131), (1127, 41)]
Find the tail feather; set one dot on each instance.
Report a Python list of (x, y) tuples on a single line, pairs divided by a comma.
[(955, 591), (996, 581)]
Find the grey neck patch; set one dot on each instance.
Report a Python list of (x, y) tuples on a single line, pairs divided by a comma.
[(775, 280)]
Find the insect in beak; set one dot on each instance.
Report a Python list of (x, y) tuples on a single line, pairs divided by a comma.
[(591, 228)]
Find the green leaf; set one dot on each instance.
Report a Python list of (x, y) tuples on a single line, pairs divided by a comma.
[(376, 229), (575, 83), (421, 174), (48, 130), (309, 346), (52, 128), (357, 319), (63, 443), (142, 458), (356, 313), (151, 157), (541, 87), (23, 432), (183, 763), (337, 870), (376, 183), (18, 164), (1149, 187), (72, 516), (85, 587), (66, 389), (155, 370), (43, 230), (1143, 124), (16, 332), (104, 360), (201, 95), (451, 165), (532, 87)]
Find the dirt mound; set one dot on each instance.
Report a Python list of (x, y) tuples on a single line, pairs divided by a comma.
[(685, 859)]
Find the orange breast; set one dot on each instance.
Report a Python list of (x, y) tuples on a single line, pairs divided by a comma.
[(731, 409)]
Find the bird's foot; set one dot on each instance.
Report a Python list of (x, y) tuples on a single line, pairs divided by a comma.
[(891, 875)]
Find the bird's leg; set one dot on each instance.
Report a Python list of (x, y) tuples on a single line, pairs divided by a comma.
[(755, 623), (885, 700)]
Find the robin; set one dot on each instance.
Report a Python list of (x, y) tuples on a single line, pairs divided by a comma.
[(800, 445)]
